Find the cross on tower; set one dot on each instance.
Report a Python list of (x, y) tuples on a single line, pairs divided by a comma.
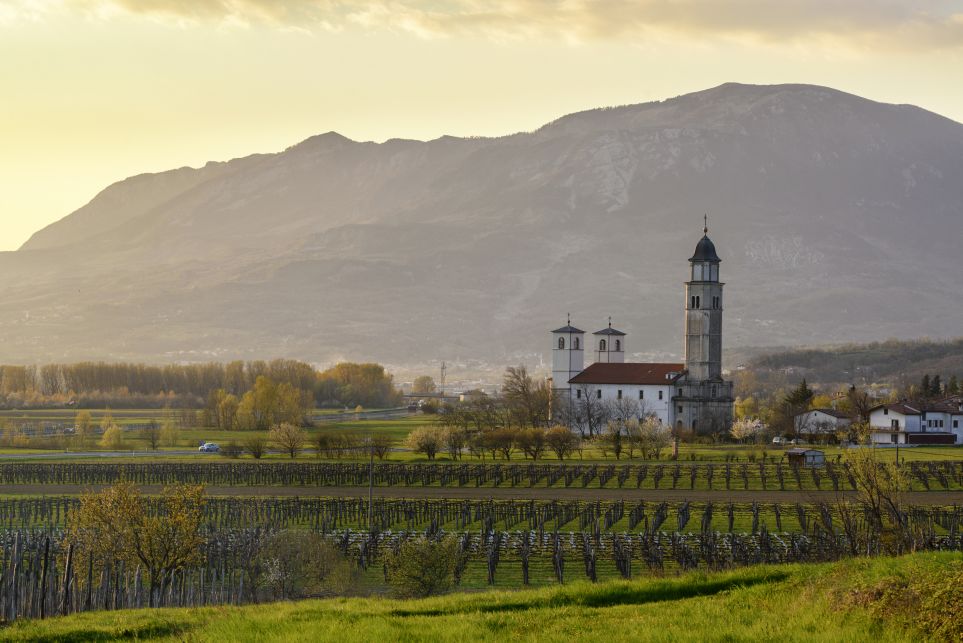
[(705, 219)]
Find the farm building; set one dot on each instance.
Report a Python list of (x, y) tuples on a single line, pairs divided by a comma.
[(806, 457)]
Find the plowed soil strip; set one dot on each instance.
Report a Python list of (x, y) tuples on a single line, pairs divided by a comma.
[(507, 493)]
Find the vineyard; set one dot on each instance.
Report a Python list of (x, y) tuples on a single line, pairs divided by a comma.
[(923, 476), (500, 543)]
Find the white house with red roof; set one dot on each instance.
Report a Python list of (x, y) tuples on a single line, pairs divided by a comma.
[(917, 423), (690, 395)]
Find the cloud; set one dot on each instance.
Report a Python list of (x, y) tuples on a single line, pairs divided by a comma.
[(907, 24)]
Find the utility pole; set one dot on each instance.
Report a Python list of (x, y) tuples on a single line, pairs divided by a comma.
[(370, 479)]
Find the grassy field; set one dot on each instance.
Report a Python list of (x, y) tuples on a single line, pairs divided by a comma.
[(397, 429), (878, 600)]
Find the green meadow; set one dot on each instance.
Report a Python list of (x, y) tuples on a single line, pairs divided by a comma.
[(914, 598)]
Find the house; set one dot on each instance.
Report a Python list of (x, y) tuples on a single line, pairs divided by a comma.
[(917, 423), (472, 395), (821, 424), (806, 457)]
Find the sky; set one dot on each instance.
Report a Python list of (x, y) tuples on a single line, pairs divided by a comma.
[(93, 91)]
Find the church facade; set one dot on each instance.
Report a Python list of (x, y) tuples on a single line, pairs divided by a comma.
[(689, 396)]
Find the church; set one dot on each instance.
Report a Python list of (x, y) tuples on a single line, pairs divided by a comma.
[(690, 396)]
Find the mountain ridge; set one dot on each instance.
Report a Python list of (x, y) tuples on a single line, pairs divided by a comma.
[(338, 248)]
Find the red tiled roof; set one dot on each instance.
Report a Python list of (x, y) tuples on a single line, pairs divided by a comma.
[(629, 373), (906, 409), (899, 407)]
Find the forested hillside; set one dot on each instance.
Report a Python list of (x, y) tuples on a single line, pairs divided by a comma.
[(99, 384), (892, 364)]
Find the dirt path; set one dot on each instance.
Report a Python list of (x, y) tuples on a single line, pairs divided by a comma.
[(516, 493)]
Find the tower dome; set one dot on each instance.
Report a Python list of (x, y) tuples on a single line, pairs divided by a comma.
[(705, 250)]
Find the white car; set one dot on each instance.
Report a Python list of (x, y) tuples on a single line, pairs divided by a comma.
[(779, 440), (209, 447)]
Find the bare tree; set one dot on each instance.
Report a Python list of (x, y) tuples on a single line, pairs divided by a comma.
[(289, 438), (562, 441), (532, 442), (587, 413), (527, 399), (152, 433)]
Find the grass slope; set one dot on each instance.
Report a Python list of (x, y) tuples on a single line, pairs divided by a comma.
[(777, 603)]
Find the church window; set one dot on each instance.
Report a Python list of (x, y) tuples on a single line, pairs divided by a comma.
[(885, 411), (578, 394), (714, 391), (680, 408), (561, 343), (618, 345), (956, 424), (598, 394), (601, 344), (698, 301), (641, 394), (576, 344), (660, 395), (680, 392), (692, 301), (620, 394)]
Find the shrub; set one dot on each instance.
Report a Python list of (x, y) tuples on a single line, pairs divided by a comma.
[(256, 446), (113, 438), (930, 600), (169, 433), (232, 450), (422, 567), (425, 439), (532, 442), (297, 564), (562, 441)]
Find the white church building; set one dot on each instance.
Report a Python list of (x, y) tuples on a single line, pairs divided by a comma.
[(690, 396)]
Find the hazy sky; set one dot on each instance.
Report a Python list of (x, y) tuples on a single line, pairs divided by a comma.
[(92, 91)]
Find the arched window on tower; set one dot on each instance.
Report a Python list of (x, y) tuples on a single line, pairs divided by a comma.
[(561, 343), (601, 344), (618, 345), (576, 344)]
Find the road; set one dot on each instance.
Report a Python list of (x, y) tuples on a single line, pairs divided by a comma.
[(60, 455), (347, 416), (516, 493)]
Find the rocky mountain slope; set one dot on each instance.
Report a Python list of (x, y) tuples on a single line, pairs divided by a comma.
[(837, 219)]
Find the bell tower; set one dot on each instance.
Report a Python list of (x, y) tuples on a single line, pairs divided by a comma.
[(703, 313), (609, 345), (568, 355)]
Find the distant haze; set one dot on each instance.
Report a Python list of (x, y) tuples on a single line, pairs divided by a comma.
[(837, 219)]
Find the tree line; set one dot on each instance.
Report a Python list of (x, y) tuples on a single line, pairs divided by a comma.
[(124, 385)]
